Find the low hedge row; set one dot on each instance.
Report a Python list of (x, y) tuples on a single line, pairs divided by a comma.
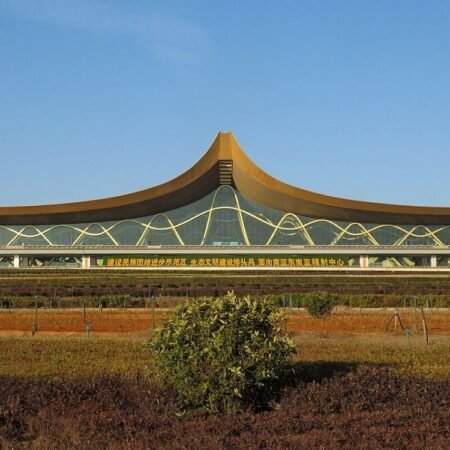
[(292, 300), (300, 300)]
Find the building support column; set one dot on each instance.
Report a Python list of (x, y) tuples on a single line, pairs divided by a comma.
[(433, 261), (85, 262), (364, 261), (16, 261)]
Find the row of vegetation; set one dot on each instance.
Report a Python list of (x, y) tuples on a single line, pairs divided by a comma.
[(143, 284), (288, 300)]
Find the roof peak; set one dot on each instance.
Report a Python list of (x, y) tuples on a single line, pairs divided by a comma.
[(225, 145)]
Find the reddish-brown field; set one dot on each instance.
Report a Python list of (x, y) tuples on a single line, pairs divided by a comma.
[(366, 409), (369, 322), (129, 321), (354, 385), (138, 322)]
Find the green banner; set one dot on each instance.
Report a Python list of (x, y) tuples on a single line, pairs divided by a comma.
[(220, 261)]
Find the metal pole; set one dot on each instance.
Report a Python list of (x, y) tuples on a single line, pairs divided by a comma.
[(35, 323), (153, 314), (415, 314), (425, 329)]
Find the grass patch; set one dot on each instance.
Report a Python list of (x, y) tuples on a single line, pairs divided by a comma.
[(427, 361), (75, 358), (71, 358)]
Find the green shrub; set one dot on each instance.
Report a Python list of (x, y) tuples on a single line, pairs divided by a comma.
[(319, 304), (224, 354)]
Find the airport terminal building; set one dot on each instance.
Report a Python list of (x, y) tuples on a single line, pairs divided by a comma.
[(225, 213)]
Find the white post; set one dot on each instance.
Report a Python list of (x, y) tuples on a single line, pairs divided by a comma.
[(433, 261), (16, 261), (364, 261), (85, 262)]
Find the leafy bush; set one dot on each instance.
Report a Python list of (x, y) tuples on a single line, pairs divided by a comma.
[(224, 354), (319, 304)]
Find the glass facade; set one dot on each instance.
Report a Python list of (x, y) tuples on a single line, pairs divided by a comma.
[(225, 217)]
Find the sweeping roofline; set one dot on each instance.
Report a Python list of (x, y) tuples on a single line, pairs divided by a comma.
[(224, 162)]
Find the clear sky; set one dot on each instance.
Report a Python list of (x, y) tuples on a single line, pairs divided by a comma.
[(105, 97)]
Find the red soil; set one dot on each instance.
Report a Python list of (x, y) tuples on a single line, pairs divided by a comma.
[(140, 321)]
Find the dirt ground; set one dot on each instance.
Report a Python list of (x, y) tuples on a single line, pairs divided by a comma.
[(139, 322)]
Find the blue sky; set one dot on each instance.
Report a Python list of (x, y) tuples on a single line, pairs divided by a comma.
[(104, 97)]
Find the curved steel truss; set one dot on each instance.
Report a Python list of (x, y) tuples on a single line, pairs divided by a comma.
[(225, 217)]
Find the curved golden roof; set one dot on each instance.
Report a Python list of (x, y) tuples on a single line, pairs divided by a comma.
[(206, 175)]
